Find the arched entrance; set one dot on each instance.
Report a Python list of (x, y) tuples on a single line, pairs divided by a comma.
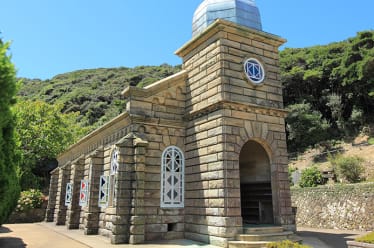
[(255, 184)]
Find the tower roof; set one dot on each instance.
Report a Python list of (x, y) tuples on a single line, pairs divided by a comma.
[(243, 12)]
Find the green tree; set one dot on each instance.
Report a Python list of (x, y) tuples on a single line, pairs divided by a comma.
[(42, 132), (9, 185), (305, 127), (337, 80)]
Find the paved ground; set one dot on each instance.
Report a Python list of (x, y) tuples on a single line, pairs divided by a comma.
[(47, 235), (326, 238)]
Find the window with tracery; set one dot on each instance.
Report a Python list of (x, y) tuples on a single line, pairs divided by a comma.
[(172, 178), (104, 191), (114, 165), (83, 194), (68, 194)]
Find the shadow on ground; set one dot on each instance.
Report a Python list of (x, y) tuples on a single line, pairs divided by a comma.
[(332, 240), (4, 229), (10, 242)]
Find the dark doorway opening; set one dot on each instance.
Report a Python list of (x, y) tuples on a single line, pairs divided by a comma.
[(255, 185)]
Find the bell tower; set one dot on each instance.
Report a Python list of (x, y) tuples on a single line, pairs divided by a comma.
[(236, 153)]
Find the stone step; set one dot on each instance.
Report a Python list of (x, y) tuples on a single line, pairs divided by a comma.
[(247, 244), (265, 236), (262, 230)]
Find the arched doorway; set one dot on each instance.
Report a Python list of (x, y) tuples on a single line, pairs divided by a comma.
[(255, 184)]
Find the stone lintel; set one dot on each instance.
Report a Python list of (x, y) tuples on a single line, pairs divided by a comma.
[(227, 26)]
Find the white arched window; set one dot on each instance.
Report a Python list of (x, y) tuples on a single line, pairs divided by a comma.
[(172, 178), (107, 196), (114, 164)]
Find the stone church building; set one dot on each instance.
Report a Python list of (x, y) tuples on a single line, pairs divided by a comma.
[(199, 155)]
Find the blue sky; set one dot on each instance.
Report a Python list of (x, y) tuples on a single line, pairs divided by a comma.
[(50, 37)]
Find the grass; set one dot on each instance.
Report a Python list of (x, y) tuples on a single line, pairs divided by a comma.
[(286, 244), (368, 238), (371, 141)]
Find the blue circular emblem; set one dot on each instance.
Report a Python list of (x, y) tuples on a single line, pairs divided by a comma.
[(254, 71)]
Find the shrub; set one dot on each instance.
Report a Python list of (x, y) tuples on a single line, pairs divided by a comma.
[(286, 244), (311, 177), (368, 238), (30, 199), (349, 168)]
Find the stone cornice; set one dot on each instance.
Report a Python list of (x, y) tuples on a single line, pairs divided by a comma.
[(156, 87), (250, 108), (157, 121), (100, 129), (224, 25), (89, 144)]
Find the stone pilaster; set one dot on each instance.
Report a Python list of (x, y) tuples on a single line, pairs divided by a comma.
[(137, 222), (92, 210), (53, 189), (63, 177), (73, 210)]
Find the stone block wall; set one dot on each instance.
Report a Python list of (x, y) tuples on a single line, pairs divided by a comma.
[(160, 223), (52, 198), (346, 207), (224, 111), (60, 210), (73, 210), (89, 216), (107, 214)]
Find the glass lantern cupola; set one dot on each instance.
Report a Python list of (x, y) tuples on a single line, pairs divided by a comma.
[(242, 12)]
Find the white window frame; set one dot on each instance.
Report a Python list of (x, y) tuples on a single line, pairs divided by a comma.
[(114, 165), (83, 194), (172, 168), (68, 194)]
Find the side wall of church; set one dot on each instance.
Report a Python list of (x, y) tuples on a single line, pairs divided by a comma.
[(159, 118)]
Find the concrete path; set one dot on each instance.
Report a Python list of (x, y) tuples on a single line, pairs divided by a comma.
[(48, 235), (326, 238)]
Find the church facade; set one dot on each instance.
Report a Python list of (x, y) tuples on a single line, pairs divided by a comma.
[(198, 155)]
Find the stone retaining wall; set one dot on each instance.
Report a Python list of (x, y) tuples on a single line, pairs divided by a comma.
[(346, 207)]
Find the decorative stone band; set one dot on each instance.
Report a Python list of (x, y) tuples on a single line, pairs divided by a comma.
[(251, 108)]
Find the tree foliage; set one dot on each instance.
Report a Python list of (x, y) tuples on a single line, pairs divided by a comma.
[(336, 80), (9, 186), (305, 126), (42, 132)]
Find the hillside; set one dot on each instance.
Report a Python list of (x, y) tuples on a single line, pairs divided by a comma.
[(95, 93), (319, 158)]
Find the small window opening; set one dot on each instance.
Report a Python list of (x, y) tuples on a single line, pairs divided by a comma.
[(172, 227)]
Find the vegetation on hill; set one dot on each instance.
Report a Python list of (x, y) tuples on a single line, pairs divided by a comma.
[(333, 84), (9, 186), (95, 93)]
